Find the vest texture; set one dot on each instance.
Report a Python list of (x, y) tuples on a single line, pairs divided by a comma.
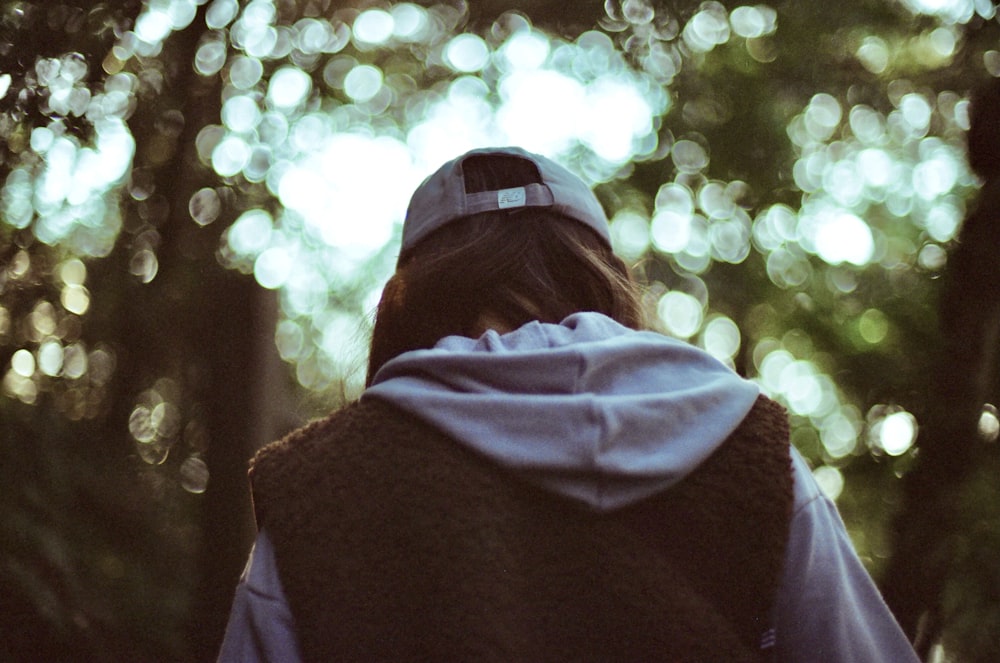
[(394, 542)]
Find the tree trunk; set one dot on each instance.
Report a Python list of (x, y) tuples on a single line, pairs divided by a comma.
[(213, 334), (928, 525)]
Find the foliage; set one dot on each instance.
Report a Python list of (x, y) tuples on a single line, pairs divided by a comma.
[(199, 207)]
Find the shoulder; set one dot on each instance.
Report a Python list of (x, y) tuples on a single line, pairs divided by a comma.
[(366, 449), (311, 457), (350, 423), (759, 447), (767, 423), (807, 491), (768, 419)]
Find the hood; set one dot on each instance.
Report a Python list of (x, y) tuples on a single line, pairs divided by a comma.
[(586, 408)]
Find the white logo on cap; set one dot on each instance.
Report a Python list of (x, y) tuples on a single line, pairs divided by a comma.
[(515, 197)]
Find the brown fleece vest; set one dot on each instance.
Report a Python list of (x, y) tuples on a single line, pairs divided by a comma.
[(395, 543)]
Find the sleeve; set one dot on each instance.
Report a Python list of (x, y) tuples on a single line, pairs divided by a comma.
[(261, 628), (828, 609)]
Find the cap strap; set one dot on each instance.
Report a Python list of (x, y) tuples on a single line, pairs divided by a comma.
[(531, 195)]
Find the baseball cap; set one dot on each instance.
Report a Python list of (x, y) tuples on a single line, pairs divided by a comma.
[(442, 197)]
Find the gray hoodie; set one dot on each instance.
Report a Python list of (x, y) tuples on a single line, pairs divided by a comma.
[(607, 416)]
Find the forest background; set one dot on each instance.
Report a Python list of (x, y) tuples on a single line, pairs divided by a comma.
[(201, 201)]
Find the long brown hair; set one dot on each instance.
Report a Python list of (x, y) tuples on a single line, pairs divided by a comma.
[(513, 267)]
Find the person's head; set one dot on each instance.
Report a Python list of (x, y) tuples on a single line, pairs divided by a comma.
[(495, 239)]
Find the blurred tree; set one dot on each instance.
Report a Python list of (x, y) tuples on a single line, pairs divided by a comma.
[(172, 350), (929, 580), (188, 249)]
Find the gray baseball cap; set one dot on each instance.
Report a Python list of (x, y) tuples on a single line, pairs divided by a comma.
[(442, 198)]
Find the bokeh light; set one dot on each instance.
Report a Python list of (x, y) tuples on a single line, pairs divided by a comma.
[(892, 429), (467, 53), (797, 227), (721, 338), (830, 480), (373, 26), (329, 171), (680, 313), (989, 423), (327, 122)]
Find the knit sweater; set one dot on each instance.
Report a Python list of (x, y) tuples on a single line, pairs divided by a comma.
[(395, 543)]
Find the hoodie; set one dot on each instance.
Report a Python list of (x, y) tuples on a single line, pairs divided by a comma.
[(587, 409), (607, 416)]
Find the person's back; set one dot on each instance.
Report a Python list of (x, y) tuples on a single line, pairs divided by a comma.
[(528, 476), (397, 543)]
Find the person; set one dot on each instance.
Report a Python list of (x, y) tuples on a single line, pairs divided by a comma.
[(531, 475)]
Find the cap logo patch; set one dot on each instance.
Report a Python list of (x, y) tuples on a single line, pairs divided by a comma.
[(515, 197)]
